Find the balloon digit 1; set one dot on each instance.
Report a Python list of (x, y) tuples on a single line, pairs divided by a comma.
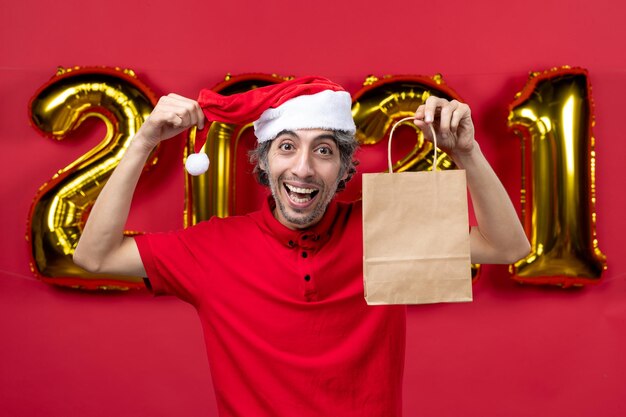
[(61, 205), (553, 113)]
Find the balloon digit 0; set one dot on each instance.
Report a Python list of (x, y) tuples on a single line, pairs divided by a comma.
[(211, 194)]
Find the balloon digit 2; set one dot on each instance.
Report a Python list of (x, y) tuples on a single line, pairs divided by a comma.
[(61, 206)]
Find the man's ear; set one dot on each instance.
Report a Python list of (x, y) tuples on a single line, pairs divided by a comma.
[(345, 175), (262, 165)]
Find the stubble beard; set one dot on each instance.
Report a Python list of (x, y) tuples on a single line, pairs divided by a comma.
[(314, 216)]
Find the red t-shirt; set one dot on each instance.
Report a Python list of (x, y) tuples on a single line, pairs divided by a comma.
[(287, 329)]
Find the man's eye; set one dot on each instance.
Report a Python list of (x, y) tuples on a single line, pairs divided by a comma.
[(286, 146), (325, 150)]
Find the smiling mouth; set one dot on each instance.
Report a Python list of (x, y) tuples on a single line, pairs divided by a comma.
[(300, 195)]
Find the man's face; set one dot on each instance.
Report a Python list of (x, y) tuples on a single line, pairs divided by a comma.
[(303, 172)]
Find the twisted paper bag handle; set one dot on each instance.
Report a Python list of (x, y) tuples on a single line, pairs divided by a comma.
[(391, 136)]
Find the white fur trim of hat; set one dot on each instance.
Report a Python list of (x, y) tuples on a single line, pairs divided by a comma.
[(331, 110)]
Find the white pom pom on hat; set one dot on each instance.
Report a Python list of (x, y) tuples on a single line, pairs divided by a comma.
[(301, 103), (197, 163)]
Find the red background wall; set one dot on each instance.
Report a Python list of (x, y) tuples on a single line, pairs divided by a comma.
[(515, 351)]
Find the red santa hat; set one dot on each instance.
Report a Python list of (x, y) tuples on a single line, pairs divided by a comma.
[(301, 103)]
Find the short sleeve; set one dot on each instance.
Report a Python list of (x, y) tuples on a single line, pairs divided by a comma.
[(172, 263)]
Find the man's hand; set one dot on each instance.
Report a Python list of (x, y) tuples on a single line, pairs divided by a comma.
[(452, 121), (172, 115)]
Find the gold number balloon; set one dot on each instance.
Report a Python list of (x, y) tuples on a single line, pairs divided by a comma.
[(381, 102), (553, 113), (61, 205), (212, 193)]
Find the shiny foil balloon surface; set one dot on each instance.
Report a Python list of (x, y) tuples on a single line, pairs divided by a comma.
[(382, 102), (554, 116), (60, 208), (211, 194)]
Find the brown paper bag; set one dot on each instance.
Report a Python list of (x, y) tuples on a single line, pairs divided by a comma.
[(416, 238)]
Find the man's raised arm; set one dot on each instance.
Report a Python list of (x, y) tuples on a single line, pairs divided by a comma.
[(499, 237), (102, 246)]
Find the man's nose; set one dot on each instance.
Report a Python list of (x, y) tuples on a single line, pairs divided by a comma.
[(303, 166)]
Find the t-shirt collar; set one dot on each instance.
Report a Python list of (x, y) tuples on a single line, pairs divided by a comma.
[(310, 238)]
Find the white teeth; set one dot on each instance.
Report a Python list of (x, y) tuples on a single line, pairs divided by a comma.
[(299, 190)]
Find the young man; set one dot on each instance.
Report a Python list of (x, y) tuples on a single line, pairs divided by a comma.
[(280, 291)]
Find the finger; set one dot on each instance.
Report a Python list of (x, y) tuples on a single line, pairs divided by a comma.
[(445, 118), (174, 119), (173, 116), (196, 115), (188, 113), (163, 107), (187, 109), (425, 128), (200, 118), (419, 113), (432, 104), (177, 96), (459, 114)]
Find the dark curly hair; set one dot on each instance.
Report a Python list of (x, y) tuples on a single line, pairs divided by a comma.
[(346, 143)]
